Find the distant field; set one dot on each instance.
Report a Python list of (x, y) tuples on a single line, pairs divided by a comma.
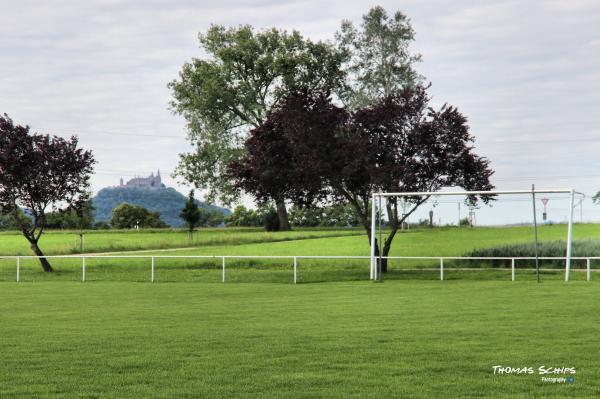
[(447, 241), (334, 340), (67, 242), (418, 242)]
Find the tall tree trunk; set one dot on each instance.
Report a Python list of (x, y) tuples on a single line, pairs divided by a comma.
[(284, 223), (386, 246), (43, 261), (395, 223), (386, 252), (376, 252), (81, 242)]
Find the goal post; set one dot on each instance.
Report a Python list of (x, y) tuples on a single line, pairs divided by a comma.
[(376, 260)]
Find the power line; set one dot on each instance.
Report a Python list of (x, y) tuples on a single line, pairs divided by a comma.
[(539, 141), (553, 177), (103, 133), (501, 179), (115, 133), (524, 178)]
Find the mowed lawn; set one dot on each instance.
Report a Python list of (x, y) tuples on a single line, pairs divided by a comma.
[(333, 340), (300, 242), (445, 241), (56, 242)]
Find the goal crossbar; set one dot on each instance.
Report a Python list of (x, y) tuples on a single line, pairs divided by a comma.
[(436, 193), (376, 260)]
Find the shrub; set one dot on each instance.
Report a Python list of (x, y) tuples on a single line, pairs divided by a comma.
[(127, 216), (243, 216), (545, 249), (101, 225), (271, 220)]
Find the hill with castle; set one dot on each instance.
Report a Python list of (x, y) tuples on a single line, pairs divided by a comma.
[(149, 192)]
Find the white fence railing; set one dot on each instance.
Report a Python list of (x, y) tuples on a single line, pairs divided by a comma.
[(294, 259)]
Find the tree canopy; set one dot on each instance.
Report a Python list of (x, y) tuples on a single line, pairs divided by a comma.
[(335, 215), (402, 145), (399, 144), (272, 165), (379, 60), (232, 90), (39, 172), (127, 216), (192, 215), (243, 217), (245, 72), (80, 216), (191, 212)]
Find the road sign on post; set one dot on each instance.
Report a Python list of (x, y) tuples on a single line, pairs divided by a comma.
[(545, 213)]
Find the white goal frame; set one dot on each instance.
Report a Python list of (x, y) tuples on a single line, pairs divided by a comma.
[(376, 260)]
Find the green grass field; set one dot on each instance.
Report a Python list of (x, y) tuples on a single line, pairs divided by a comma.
[(444, 241), (335, 335), (67, 242), (301, 242), (334, 340)]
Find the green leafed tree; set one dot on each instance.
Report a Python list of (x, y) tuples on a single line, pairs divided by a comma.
[(13, 220), (306, 216), (379, 61), (244, 217), (127, 216), (192, 215), (231, 90), (39, 172), (335, 215), (79, 216), (215, 218)]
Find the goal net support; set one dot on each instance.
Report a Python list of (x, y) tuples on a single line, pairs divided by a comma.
[(378, 209)]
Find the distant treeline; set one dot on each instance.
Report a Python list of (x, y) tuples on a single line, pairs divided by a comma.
[(128, 216)]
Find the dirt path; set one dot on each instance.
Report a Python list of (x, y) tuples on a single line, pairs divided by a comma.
[(137, 251)]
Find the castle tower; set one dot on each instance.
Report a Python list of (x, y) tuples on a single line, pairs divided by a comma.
[(151, 181)]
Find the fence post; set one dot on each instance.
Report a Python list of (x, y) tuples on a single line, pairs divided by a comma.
[(442, 269), (223, 273), (83, 268), (18, 268), (512, 269), (152, 274), (589, 274), (295, 264)]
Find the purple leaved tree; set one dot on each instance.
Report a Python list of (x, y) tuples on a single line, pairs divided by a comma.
[(40, 173), (309, 149)]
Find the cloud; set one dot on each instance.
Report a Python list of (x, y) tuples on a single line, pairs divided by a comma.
[(518, 70)]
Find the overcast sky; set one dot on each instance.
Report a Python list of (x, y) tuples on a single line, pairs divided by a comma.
[(526, 73)]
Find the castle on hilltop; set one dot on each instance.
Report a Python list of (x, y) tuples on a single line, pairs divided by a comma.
[(145, 182)]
